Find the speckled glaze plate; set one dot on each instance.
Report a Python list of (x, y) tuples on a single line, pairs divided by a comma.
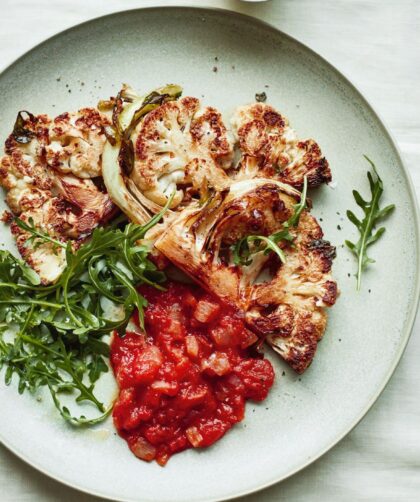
[(303, 416)]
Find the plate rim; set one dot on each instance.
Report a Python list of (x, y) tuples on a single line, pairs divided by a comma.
[(413, 310)]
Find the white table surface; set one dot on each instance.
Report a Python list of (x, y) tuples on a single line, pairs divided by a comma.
[(377, 45)]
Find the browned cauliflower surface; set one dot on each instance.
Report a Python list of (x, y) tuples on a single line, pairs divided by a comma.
[(271, 149), (76, 142)]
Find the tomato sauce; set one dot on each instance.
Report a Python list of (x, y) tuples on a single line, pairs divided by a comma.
[(184, 384)]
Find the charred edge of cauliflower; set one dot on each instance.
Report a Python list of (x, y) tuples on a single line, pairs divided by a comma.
[(22, 164), (289, 310), (71, 215), (270, 148)]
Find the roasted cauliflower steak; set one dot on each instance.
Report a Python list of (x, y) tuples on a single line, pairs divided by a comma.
[(45, 194), (283, 302)]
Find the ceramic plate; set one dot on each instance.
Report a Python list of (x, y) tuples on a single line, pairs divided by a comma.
[(367, 331)]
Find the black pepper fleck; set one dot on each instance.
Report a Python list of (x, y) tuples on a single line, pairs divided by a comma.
[(338, 227), (320, 219), (261, 97), (233, 67), (348, 274), (216, 58), (215, 69), (58, 79), (283, 373)]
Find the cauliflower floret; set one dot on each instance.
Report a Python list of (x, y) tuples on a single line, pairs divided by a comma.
[(287, 306), (270, 148), (179, 145), (22, 163), (25, 197), (76, 143)]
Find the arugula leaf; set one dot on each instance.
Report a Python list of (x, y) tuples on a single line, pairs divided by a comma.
[(245, 248), (57, 330), (366, 226)]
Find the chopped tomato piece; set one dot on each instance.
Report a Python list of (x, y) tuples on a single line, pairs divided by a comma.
[(217, 364), (248, 339), (189, 300), (206, 311), (147, 364), (168, 388), (191, 396), (143, 449), (192, 345), (194, 437), (257, 376)]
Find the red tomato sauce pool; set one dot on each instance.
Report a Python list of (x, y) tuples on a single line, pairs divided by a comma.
[(185, 383)]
